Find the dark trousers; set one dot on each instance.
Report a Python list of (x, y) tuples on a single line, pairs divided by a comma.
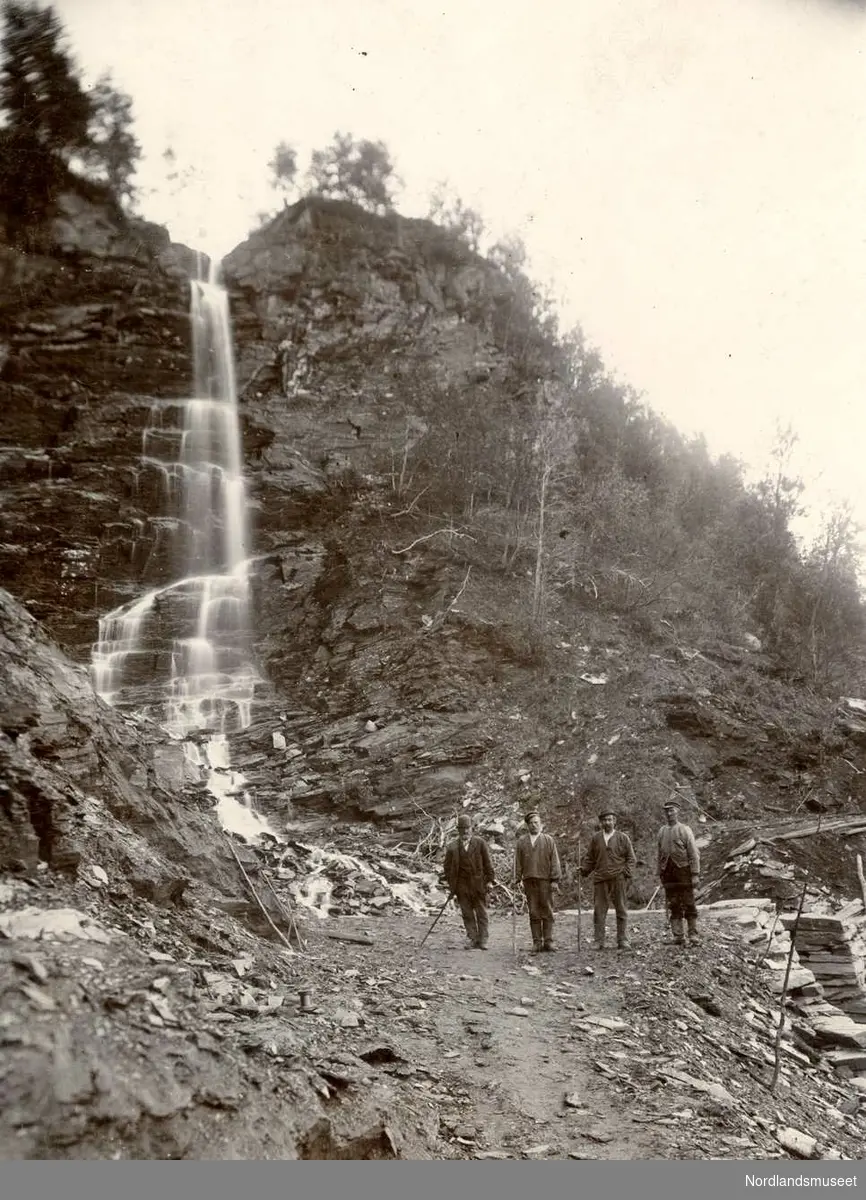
[(538, 897), (679, 892), (473, 910), (609, 893)]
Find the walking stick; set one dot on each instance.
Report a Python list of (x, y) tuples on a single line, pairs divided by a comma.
[(435, 922), (514, 909), (579, 907)]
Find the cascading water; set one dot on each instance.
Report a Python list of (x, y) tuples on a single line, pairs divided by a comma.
[(194, 631)]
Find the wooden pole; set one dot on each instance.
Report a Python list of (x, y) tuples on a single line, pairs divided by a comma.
[(255, 895), (514, 905), (286, 913), (777, 1049), (435, 922), (862, 879), (579, 905)]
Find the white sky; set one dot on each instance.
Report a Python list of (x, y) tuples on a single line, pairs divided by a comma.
[(690, 174)]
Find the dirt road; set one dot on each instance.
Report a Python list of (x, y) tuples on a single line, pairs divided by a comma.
[(183, 1035), (508, 1044)]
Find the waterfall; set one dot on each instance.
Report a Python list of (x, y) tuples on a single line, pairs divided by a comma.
[(191, 636)]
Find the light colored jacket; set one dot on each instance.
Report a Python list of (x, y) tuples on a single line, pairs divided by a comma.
[(677, 844)]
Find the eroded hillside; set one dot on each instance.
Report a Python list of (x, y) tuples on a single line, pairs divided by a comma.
[(386, 375), (393, 613)]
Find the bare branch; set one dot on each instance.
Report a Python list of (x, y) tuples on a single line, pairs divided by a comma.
[(439, 619), (405, 511), (453, 532), (255, 896)]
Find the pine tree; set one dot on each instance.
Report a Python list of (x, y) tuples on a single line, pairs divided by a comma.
[(46, 115)]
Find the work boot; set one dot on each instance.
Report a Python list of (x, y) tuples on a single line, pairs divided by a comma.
[(547, 936), (694, 936), (622, 942), (677, 931), (537, 939)]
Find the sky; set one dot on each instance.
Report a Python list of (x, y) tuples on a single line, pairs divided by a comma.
[(689, 176)]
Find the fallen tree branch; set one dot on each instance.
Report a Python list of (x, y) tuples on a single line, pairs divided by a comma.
[(255, 895), (357, 939), (404, 512), (850, 825), (439, 620), (862, 879), (286, 913), (427, 536)]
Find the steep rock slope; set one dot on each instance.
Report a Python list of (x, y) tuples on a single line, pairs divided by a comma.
[(121, 916), (396, 648)]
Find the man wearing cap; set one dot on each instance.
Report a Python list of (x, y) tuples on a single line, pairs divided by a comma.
[(610, 860), (679, 869), (536, 866), (468, 871)]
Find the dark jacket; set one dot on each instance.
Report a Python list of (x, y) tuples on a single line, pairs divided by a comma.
[(540, 861), (611, 860), (477, 867)]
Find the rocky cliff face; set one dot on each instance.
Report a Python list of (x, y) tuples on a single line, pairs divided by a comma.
[(340, 325), (76, 775), (112, 870), (154, 1006), (395, 650)]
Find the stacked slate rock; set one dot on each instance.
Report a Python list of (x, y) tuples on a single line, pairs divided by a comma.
[(834, 947), (765, 934), (817, 1029)]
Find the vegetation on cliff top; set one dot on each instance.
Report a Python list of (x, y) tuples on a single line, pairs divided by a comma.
[(559, 470), (538, 462), (55, 133)]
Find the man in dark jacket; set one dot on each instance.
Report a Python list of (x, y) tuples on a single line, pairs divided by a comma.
[(536, 866), (468, 872), (610, 860)]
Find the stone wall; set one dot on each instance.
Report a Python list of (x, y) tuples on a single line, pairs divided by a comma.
[(834, 948), (817, 1026)]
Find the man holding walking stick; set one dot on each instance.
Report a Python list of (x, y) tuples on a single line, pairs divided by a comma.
[(536, 866), (679, 870), (468, 871)]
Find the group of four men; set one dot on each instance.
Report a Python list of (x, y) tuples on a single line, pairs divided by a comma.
[(609, 861)]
